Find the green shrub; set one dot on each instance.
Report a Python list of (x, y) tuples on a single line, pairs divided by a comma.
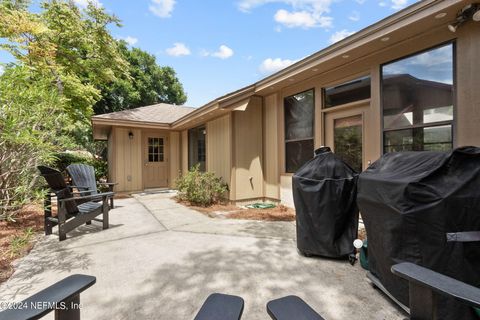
[(200, 188), (64, 159)]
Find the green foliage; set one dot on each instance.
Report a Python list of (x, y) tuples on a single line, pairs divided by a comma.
[(147, 84), (71, 47), (19, 242), (64, 159), (200, 188), (30, 132)]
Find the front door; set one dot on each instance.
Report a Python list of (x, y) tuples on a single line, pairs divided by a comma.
[(344, 135), (155, 169)]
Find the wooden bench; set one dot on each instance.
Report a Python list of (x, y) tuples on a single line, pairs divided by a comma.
[(220, 306), (62, 297)]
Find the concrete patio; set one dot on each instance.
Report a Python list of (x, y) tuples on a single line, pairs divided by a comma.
[(160, 260)]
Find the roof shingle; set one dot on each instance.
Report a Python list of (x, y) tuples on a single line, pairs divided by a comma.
[(157, 113)]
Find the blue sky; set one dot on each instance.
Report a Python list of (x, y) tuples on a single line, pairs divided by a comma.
[(218, 46)]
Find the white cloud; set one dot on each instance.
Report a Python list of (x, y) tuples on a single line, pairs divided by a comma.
[(178, 49), (270, 65), (399, 4), (302, 19), (340, 35), (84, 3), (162, 8), (130, 40), (223, 52), (394, 4), (303, 14), (355, 16)]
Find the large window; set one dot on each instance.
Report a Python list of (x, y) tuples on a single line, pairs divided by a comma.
[(197, 153), (418, 101), (299, 120)]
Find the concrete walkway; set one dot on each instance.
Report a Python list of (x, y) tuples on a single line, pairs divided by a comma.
[(160, 260)]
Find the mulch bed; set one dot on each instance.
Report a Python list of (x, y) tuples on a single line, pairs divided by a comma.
[(30, 216), (229, 211)]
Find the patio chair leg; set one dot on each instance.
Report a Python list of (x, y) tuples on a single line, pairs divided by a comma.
[(62, 212), (88, 223), (105, 213), (110, 189), (47, 214), (71, 310)]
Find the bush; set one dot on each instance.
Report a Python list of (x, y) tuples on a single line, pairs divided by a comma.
[(30, 115), (200, 188), (64, 159)]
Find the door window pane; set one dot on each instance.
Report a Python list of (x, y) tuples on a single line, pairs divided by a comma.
[(155, 150), (355, 90), (348, 140)]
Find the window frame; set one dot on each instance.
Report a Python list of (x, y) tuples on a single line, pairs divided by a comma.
[(189, 149), (342, 83), (285, 140), (452, 123)]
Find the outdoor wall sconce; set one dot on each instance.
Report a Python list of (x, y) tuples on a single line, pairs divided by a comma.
[(130, 135), (471, 11)]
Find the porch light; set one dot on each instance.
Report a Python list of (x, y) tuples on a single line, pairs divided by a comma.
[(130, 135), (471, 11)]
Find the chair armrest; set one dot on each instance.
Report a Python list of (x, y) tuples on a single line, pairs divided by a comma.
[(44, 301), (93, 196), (108, 183), (438, 283), (79, 187)]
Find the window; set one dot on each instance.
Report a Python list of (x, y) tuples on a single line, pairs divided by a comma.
[(197, 153), (418, 108), (356, 90), (155, 150), (299, 120)]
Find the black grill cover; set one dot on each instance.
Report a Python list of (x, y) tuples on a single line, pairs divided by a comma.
[(408, 202), (324, 192)]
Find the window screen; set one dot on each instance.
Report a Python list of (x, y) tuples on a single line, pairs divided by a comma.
[(299, 121)]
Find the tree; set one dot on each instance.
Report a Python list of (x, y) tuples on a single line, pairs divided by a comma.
[(71, 47), (148, 84), (64, 55)]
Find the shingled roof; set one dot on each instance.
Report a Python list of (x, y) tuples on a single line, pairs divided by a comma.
[(157, 113)]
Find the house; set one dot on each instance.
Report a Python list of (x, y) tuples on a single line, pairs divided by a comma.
[(405, 83)]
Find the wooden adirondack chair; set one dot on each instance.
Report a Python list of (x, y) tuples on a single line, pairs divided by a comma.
[(83, 177), (73, 211)]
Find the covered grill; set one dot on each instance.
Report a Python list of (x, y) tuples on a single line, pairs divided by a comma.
[(324, 193), (424, 208)]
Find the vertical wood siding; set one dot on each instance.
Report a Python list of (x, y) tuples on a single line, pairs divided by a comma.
[(271, 172), (219, 148)]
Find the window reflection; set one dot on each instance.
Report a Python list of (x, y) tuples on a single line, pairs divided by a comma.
[(299, 118), (418, 101)]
